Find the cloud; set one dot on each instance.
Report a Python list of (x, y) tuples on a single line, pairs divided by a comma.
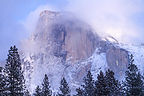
[(111, 17), (31, 20)]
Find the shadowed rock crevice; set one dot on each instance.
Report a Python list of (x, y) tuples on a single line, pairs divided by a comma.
[(59, 35)]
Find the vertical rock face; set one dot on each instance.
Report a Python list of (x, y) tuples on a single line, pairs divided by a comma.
[(116, 57), (73, 41), (117, 60), (65, 46), (70, 38)]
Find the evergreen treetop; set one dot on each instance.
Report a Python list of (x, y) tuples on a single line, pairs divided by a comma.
[(133, 84), (46, 87), (64, 88), (38, 91), (101, 86), (79, 92), (14, 74), (112, 85), (88, 87)]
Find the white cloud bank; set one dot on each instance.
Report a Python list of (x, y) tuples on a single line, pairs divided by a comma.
[(110, 17)]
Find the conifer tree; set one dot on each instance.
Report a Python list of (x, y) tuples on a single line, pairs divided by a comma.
[(88, 87), (14, 73), (38, 91), (133, 84), (101, 86), (46, 87), (112, 85), (2, 83), (64, 88), (79, 92)]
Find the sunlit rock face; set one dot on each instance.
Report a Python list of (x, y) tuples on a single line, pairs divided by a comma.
[(117, 60), (71, 38), (63, 46)]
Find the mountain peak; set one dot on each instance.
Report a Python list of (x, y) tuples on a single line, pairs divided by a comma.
[(49, 13)]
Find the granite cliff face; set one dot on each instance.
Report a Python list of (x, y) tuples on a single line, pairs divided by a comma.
[(117, 60), (70, 37), (65, 46)]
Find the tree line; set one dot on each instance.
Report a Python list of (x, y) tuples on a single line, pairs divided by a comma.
[(12, 81)]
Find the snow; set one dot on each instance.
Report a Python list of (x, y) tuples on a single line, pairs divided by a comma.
[(48, 64), (138, 53), (98, 63)]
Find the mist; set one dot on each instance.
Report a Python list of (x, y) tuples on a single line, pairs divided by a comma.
[(117, 18)]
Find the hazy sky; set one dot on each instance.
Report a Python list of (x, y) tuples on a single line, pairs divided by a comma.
[(123, 19)]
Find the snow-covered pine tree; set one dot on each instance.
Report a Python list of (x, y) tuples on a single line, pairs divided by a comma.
[(79, 92), (38, 91), (2, 83), (101, 86), (112, 85), (133, 84), (46, 87), (14, 74), (88, 87), (64, 88)]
